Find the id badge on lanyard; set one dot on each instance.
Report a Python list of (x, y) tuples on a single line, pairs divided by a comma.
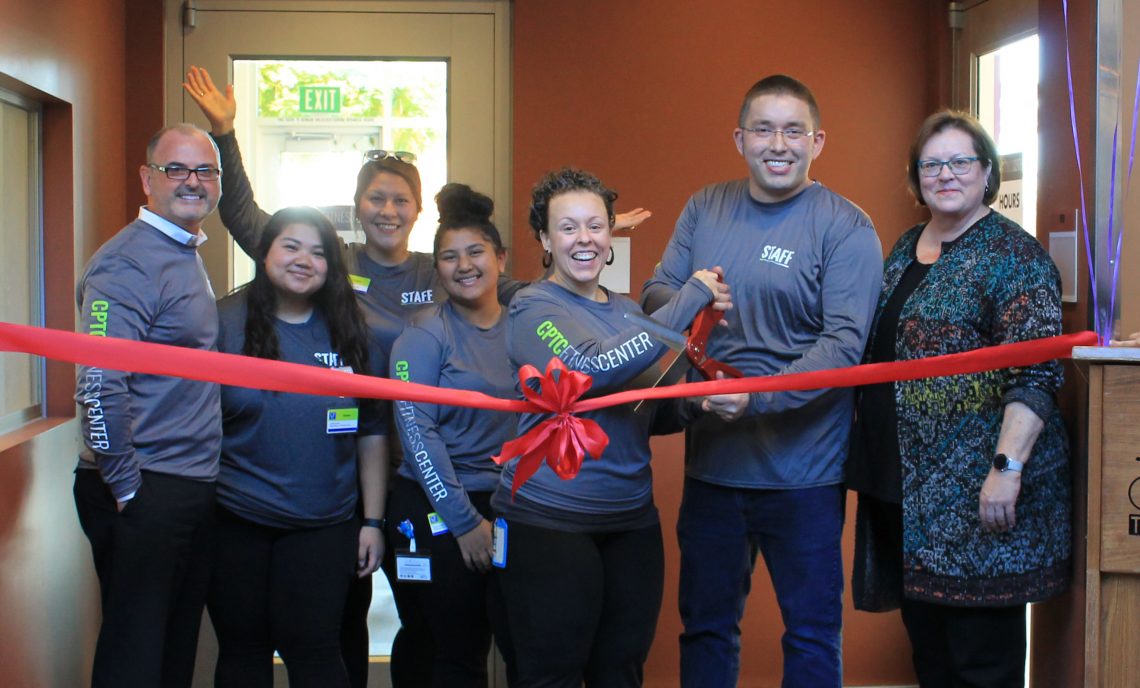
[(411, 567)]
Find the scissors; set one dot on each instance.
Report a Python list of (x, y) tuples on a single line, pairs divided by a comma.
[(692, 352)]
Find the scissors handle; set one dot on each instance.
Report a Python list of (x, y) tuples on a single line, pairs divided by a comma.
[(710, 367), (698, 346)]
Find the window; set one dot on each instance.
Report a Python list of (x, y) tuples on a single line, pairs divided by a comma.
[(304, 126), (21, 283), (1007, 108)]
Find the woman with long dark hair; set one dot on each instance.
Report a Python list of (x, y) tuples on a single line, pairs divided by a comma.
[(294, 466), (391, 283)]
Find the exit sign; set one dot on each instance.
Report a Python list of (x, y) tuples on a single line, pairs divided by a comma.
[(320, 99)]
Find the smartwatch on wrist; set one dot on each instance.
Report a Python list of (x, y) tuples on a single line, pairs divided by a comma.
[(1003, 463)]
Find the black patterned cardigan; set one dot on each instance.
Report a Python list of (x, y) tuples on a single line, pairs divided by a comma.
[(995, 284)]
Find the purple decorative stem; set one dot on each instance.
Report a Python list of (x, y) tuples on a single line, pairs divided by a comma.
[(1080, 171)]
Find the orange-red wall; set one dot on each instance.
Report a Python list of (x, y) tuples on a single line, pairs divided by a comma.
[(68, 54), (646, 94)]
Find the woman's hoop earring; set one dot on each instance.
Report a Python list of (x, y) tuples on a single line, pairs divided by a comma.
[(610, 260), (547, 259)]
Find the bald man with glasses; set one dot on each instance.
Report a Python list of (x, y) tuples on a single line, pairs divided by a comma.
[(144, 487)]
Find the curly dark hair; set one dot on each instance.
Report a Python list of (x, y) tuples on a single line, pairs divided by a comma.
[(563, 181), (407, 170), (984, 148), (461, 207), (335, 299)]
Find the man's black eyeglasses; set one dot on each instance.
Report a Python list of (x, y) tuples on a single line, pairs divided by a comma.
[(181, 173)]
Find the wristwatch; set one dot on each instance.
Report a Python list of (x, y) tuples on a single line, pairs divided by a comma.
[(1003, 463)]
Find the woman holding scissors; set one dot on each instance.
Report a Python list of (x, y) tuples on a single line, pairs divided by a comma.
[(584, 572)]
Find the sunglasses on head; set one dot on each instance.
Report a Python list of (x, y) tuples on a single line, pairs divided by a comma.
[(378, 155)]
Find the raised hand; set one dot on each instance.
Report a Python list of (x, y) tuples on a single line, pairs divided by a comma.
[(219, 108), (631, 219)]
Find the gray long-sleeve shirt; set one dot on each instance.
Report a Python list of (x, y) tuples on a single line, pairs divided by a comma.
[(547, 320), (448, 449), (805, 274), (145, 285)]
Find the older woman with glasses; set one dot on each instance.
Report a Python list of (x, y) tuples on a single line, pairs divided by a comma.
[(963, 480)]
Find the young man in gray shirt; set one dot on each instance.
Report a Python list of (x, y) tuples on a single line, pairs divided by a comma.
[(805, 267), (144, 488)]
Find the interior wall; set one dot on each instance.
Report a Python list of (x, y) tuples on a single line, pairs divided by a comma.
[(69, 55), (144, 95), (643, 93), (1129, 294), (1057, 652), (646, 95)]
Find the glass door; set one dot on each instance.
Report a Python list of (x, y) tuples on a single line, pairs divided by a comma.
[(995, 78), (393, 51), (305, 125)]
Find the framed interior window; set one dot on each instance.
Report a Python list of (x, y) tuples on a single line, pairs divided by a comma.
[(22, 388)]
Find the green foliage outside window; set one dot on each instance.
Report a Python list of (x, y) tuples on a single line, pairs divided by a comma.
[(362, 99)]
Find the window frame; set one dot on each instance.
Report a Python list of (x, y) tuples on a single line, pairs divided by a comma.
[(36, 409)]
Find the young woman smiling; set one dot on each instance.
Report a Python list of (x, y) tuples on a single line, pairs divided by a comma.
[(461, 345), (289, 542), (585, 564), (392, 284)]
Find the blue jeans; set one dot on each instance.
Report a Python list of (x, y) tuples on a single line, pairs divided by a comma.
[(798, 531)]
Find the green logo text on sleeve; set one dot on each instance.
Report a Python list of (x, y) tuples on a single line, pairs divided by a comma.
[(100, 310)]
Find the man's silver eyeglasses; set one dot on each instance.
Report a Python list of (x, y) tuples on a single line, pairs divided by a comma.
[(791, 134), (402, 156), (933, 168), (181, 173)]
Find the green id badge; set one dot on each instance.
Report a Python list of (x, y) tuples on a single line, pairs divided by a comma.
[(342, 420)]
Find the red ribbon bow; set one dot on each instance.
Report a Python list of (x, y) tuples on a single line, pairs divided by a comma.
[(563, 440)]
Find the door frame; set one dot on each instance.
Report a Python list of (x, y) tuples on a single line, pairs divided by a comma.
[(179, 13), (984, 26)]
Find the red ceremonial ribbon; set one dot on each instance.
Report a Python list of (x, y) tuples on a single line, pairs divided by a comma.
[(562, 440)]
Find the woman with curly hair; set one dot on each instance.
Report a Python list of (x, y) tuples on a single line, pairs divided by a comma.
[(585, 564)]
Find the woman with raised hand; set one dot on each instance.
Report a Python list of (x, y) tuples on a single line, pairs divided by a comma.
[(445, 492), (585, 564), (388, 200), (293, 467)]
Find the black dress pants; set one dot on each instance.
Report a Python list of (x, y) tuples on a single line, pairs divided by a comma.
[(152, 560), (966, 647)]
